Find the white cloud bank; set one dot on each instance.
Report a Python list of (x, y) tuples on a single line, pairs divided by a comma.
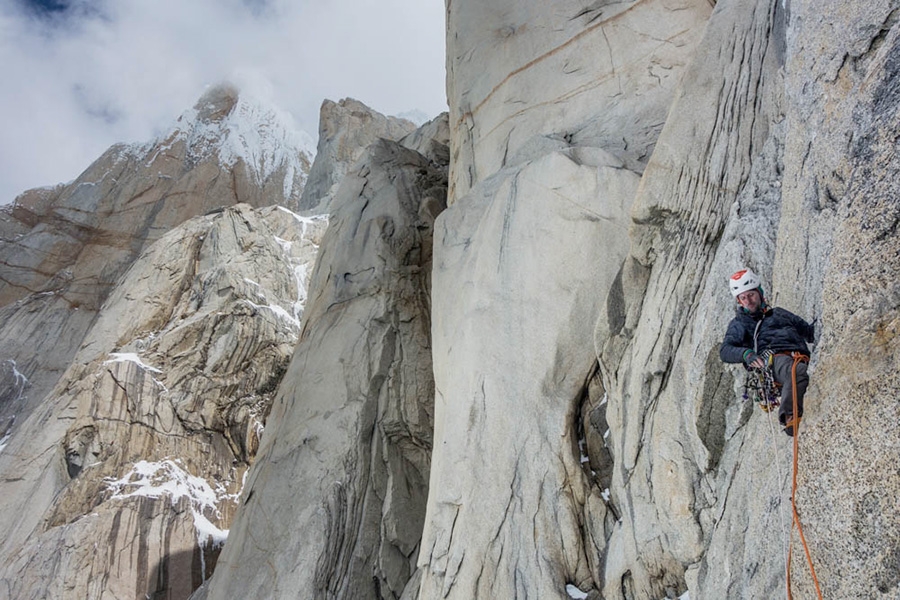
[(106, 71)]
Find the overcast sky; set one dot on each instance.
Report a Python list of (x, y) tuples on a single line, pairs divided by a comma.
[(77, 76)]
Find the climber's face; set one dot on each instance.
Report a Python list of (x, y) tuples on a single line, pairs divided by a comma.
[(750, 300)]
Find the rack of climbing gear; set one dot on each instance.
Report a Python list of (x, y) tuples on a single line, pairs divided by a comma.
[(760, 385)]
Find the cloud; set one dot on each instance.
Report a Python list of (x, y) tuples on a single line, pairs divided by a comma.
[(87, 73)]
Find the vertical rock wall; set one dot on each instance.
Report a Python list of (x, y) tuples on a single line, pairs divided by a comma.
[(708, 203), (554, 112), (838, 255), (509, 505), (774, 156), (524, 79), (334, 508), (775, 153)]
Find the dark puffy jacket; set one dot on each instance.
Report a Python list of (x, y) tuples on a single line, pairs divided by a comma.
[(779, 331)]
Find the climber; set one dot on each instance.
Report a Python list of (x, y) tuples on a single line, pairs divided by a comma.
[(758, 332)]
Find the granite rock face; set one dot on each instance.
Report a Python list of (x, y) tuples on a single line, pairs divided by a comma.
[(516, 409), (779, 164), (524, 79), (140, 348), (709, 203), (772, 152), (346, 129), (837, 253), (345, 459), (129, 472), (537, 230)]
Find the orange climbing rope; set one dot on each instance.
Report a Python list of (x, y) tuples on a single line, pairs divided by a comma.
[(795, 422)]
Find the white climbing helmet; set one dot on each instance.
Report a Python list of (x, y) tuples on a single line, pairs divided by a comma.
[(743, 280)]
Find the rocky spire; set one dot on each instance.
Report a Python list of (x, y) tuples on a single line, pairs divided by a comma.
[(346, 129), (249, 137)]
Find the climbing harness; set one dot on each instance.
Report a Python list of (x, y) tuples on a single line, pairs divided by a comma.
[(798, 357)]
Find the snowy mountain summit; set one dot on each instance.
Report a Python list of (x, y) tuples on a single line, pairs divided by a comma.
[(236, 127)]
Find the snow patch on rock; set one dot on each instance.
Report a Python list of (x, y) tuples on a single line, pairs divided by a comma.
[(167, 478)]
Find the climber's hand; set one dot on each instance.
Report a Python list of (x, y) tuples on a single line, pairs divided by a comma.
[(753, 360)]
